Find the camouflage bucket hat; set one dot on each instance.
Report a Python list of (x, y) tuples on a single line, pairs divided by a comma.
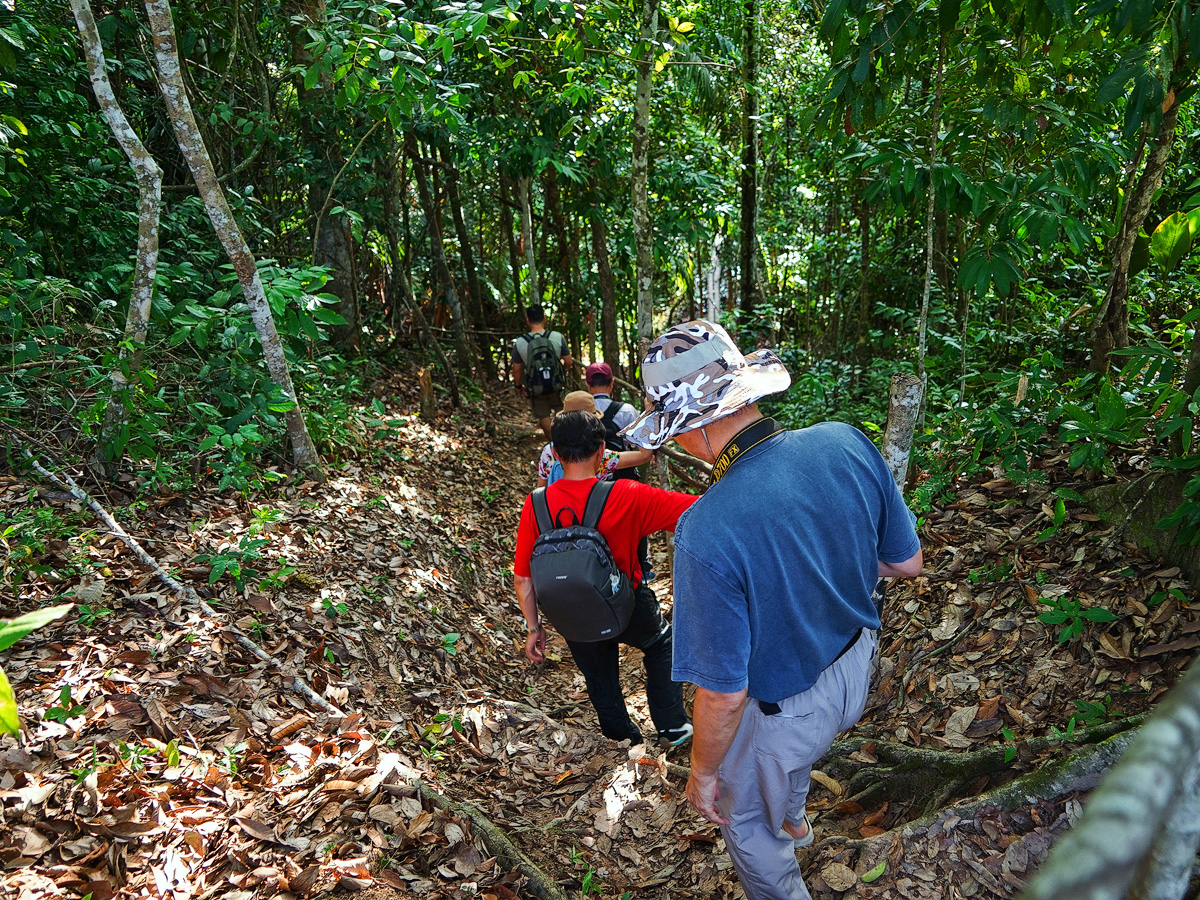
[(694, 374)]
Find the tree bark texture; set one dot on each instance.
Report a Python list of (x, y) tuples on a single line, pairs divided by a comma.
[(1132, 838), (191, 145), (749, 173), (608, 292), (401, 286), (524, 187), (904, 408), (643, 227), (929, 213), (506, 225), (1110, 326), (149, 181), (475, 299), (462, 343)]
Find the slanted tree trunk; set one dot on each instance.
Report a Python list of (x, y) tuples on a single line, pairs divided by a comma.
[(191, 145), (487, 363), (643, 227), (462, 343), (749, 174), (1110, 326), (109, 446), (523, 189)]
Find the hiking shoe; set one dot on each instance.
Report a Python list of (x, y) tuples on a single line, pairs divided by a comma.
[(676, 736)]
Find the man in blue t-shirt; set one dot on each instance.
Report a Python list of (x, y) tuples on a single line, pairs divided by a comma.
[(774, 570)]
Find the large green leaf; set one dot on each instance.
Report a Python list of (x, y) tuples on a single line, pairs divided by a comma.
[(9, 722), (1171, 241), (12, 630), (1140, 257)]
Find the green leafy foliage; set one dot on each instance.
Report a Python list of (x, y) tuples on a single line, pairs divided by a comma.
[(1072, 615)]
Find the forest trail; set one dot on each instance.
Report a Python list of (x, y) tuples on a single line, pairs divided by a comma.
[(179, 764)]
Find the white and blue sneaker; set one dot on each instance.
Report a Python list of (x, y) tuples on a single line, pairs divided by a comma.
[(676, 736)]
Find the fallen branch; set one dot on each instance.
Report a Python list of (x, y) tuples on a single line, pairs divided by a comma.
[(67, 483), (686, 458), (498, 844)]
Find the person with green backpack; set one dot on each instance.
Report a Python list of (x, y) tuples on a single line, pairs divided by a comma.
[(540, 360)]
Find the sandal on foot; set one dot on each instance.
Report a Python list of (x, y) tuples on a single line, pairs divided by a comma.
[(799, 842)]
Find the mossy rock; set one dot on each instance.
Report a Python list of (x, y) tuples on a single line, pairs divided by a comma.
[(1136, 507)]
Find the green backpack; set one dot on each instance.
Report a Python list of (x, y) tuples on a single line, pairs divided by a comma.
[(543, 368)]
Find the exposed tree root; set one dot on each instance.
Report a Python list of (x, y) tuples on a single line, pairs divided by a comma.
[(905, 773), (506, 852), (1080, 771)]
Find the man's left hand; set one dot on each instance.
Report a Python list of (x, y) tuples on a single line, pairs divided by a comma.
[(703, 792)]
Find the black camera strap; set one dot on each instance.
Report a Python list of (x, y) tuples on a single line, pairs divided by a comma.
[(746, 439)]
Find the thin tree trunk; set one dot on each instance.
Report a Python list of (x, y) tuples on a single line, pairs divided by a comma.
[(462, 344), (523, 190), (149, 181), (643, 227), (929, 225), (608, 293), (1110, 327), (864, 273), (749, 173), (187, 135), (506, 225), (401, 286), (487, 365)]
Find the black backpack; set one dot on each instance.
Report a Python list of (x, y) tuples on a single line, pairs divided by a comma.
[(543, 367), (614, 441), (577, 582)]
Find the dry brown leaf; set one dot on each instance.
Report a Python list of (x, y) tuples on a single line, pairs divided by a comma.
[(839, 877)]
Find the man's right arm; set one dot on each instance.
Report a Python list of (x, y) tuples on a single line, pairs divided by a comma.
[(910, 568)]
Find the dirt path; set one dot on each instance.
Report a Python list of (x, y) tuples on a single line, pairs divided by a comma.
[(178, 763)]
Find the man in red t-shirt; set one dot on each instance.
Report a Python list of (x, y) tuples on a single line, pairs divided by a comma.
[(633, 511)]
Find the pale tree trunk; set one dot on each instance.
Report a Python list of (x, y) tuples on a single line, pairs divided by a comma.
[(904, 408), (923, 329), (191, 145), (1110, 326), (1139, 831), (749, 175), (149, 181), (462, 343), (523, 189), (643, 228)]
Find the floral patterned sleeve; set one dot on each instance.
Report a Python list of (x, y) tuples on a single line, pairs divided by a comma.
[(545, 461), (608, 470)]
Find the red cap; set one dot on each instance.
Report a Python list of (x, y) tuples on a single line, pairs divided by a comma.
[(598, 373)]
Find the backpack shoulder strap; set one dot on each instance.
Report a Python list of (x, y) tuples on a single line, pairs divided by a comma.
[(610, 414), (596, 501), (541, 510)]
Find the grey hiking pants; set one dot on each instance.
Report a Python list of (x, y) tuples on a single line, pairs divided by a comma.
[(764, 778)]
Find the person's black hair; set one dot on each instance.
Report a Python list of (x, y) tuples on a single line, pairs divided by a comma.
[(577, 435), (535, 314)]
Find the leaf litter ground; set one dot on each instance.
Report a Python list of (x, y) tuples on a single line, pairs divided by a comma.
[(180, 765)]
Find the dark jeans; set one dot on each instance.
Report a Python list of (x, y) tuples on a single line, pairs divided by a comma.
[(600, 664)]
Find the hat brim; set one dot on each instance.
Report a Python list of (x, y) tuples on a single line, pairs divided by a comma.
[(763, 374)]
